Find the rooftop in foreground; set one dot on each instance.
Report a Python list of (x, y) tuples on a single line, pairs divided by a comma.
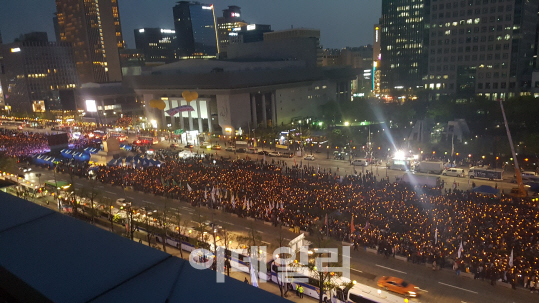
[(49, 257)]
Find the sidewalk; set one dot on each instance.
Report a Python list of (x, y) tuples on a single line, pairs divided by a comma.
[(240, 276)]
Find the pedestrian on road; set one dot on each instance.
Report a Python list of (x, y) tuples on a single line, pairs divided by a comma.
[(297, 290), (246, 281), (301, 292)]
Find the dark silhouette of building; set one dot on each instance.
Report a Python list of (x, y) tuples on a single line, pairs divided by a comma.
[(157, 44), (196, 32)]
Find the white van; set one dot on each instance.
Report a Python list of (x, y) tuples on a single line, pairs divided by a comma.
[(360, 162), (454, 172)]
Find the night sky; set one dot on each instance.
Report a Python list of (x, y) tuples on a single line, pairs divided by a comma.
[(342, 22)]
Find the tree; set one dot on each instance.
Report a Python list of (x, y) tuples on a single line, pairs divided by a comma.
[(326, 280), (92, 193), (227, 238), (201, 228), (281, 241), (252, 239), (178, 217), (108, 204), (7, 163)]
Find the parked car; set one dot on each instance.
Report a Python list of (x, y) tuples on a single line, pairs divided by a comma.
[(360, 162), (398, 285), (309, 157), (454, 172)]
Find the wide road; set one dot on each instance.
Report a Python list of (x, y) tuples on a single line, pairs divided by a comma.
[(439, 286)]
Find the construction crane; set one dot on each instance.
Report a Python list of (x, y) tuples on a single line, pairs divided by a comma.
[(520, 191)]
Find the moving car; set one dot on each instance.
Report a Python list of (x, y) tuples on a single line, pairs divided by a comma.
[(123, 202), (263, 152), (309, 157), (398, 285), (216, 147), (240, 150), (173, 145), (189, 145), (25, 169), (230, 148), (274, 154)]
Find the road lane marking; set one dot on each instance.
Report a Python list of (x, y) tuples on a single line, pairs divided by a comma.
[(422, 290), (147, 202), (265, 242), (402, 272), (109, 192), (355, 269), (474, 292)]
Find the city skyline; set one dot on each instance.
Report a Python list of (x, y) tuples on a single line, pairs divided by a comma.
[(341, 22)]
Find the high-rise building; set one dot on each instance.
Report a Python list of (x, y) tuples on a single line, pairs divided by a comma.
[(464, 48), (298, 33), (230, 20), (249, 33), (359, 58), (404, 43), (196, 31), (292, 45), (39, 76), (482, 48), (94, 30), (157, 44), (376, 57)]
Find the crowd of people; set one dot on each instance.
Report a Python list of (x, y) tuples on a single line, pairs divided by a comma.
[(492, 237), (425, 225), (14, 143)]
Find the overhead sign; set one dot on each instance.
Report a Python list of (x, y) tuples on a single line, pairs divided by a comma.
[(178, 131)]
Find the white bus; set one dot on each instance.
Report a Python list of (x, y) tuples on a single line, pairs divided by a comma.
[(485, 173), (360, 293), (311, 287)]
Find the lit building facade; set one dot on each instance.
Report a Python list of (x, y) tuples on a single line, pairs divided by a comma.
[(242, 95), (231, 19), (482, 48), (157, 44), (404, 43), (39, 76), (196, 31), (376, 58), (94, 30)]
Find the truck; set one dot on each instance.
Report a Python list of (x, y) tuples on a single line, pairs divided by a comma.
[(430, 181), (430, 167)]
